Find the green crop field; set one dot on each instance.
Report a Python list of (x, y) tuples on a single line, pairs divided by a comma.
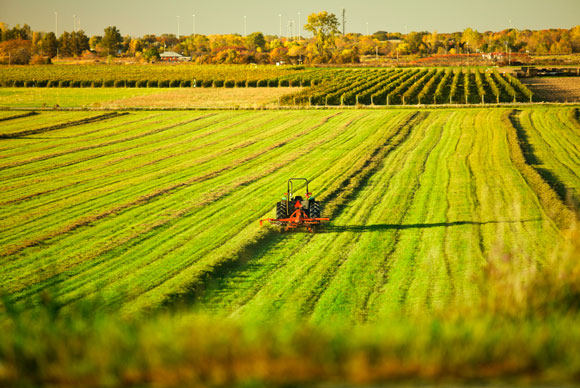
[(148, 205), (153, 211)]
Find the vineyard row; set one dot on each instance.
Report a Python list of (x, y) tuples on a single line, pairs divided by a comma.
[(418, 86)]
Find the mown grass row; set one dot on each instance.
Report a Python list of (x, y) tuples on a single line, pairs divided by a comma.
[(16, 123), (550, 139)]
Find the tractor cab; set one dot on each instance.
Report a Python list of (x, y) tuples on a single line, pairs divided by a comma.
[(295, 210)]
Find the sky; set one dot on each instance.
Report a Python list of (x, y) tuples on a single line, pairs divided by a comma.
[(140, 17)]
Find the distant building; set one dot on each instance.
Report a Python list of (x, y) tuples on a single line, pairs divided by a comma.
[(170, 56)]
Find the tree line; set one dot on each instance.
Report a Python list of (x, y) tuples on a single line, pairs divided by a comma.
[(21, 45)]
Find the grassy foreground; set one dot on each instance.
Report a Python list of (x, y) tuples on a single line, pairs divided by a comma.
[(527, 328)]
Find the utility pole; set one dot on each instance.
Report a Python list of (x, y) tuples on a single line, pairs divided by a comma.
[(74, 22), (280, 16), (343, 21), (177, 29), (506, 47), (245, 26), (193, 31), (56, 31), (299, 27), (367, 28)]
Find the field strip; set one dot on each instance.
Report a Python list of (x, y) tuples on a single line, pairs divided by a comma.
[(123, 181), (105, 116), (564, 143), (17, 116), (499, 220), (465, 236), (44, 119), (524, 203), (428, 207), (30, 145), (545, 134), (394, 209), (140, 136), (552, 204), (91, 156), (200, 250), (70, 136), (63, 146)]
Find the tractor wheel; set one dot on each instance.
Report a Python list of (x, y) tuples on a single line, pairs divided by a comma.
[(281, 210), (315, 209)]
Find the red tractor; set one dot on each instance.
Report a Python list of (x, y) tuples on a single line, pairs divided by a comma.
[(294, 211)]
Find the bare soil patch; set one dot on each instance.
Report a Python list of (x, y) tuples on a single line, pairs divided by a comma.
[(205, 98), (555, 89)]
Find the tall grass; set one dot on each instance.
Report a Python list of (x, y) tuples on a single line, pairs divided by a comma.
[(527, 327)]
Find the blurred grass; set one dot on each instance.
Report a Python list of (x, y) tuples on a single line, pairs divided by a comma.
[(527, 329)]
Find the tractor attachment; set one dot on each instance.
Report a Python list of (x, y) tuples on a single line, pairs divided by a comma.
[(294, 211)]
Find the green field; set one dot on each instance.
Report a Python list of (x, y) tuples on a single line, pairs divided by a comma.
[(149, 211), (149, 204)]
